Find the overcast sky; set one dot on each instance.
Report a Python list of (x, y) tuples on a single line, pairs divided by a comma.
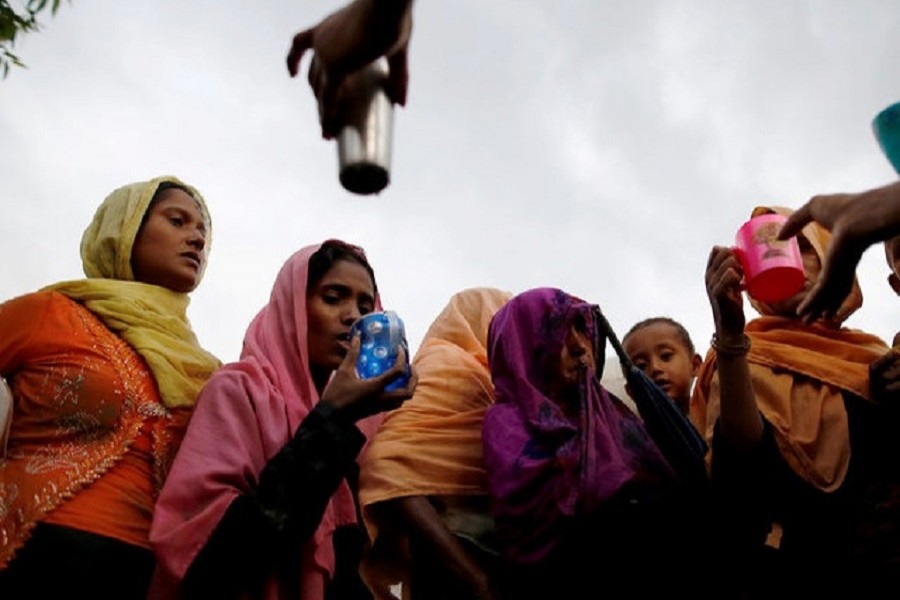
[(600, 147)]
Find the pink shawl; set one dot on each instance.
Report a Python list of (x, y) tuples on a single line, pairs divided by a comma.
[(244, 415)]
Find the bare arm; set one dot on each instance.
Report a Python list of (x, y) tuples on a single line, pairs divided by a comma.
[(422, 523), (739, 422)]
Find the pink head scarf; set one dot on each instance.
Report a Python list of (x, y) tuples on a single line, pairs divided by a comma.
[(244, 416)]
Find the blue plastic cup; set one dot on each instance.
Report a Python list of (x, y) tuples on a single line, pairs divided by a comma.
[(886, 127), (382, 335)]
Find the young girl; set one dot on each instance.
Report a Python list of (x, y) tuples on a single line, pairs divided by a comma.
[(260, 502), (662, 348), (796, 440), (104, 372)]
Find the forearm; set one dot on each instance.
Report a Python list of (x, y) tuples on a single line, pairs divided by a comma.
[(391, 9), (360, 32), (739, 419), (875, 215), (427, 530), (269, 523)]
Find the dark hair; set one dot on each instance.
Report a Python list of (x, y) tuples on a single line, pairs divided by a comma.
[(157, 195), (331, 252), (679, 328)]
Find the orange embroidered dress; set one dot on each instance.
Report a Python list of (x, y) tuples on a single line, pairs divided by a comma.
[(90, 440)]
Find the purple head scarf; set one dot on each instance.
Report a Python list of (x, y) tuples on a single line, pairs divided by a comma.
[(546, 465)]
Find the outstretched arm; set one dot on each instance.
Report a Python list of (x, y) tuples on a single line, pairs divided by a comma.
[(856, 221), (740, 422)]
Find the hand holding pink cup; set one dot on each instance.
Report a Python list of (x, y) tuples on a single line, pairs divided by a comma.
[(773, 268)]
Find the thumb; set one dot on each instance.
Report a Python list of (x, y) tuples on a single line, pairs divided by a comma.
[(302, 42), (398, 76), (397, 369)]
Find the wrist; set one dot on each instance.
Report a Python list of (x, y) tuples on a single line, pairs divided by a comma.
[(730, 344), (388, 13), (332, 410)]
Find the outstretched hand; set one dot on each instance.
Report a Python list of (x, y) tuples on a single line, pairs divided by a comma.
[(884, 378), (359, 398), (841, 259), (347, 40), (856, 221)]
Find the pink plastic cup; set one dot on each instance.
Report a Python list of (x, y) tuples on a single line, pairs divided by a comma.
[(773, 268)]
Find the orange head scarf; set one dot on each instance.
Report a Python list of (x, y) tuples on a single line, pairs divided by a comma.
[(798, 373)]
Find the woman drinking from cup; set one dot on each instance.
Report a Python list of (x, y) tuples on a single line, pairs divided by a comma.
[(805, 463), (260, 502)]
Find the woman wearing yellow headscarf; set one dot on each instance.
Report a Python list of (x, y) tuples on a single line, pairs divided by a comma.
[(807, 464), (104, 372)]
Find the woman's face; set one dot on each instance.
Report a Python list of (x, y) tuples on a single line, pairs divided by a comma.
[(576, 356), (344, 294), (170, 247)]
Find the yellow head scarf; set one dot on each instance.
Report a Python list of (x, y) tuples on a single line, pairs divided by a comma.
[(151, 318)]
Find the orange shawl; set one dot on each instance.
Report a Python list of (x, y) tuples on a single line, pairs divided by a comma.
[(432, 444), (798, 372)]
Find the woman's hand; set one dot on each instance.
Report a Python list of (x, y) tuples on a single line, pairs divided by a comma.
[(347, 40), (723, 286), (884, 378), (360, 398), (739, 419)]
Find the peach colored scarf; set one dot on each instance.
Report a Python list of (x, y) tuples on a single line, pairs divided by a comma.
[(432, 444), (798, 372)]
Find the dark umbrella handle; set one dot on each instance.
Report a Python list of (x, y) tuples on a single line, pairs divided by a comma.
[(604, 326)]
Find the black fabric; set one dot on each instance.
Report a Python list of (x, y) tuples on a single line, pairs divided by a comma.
[(430, 578), (638, 546), (263, 531), (671, 430), (55, 560), (349, 544), (845, 542)]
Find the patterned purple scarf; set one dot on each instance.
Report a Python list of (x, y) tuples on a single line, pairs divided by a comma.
[(546, 465)]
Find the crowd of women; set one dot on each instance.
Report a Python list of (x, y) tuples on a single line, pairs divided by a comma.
[(136, 465)]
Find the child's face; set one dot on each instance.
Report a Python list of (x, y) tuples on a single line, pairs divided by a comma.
[(659, 351)]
